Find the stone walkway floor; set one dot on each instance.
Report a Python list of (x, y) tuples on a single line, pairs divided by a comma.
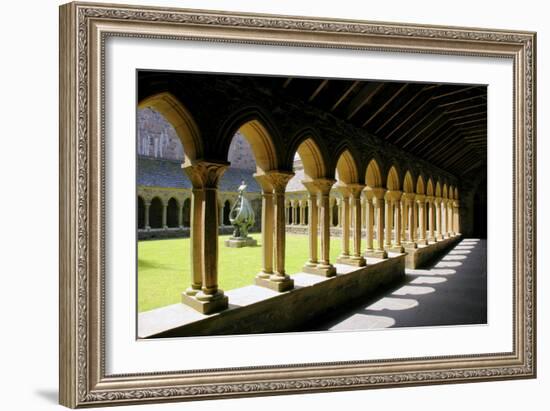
[(453, 291)]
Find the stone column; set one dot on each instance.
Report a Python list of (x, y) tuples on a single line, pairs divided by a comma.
[(345, 223), (411, 238), (356, 258), (457, 217), (164, 213), (303, 212), (430, 204), (396, 200), (313, 224), (438, 233), (267, 226), (279, 280), (369, 223), (146, 210), (324, 267), (388, 222), (376, 211), (180, 215), (403, 220), (204, 176), (420, 201)]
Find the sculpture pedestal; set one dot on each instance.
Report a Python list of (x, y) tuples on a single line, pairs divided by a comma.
[(241, 242)]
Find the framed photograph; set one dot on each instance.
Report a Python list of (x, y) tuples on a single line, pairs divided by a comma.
[(260, 205)]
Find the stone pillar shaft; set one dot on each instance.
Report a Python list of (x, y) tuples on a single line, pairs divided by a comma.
[(380, 223), (388, 224), (164, 214), (146, 222), (431, 219), (357, 224), (345, 223), (397, 207), (370, 223), (313, 229), (267, 232)]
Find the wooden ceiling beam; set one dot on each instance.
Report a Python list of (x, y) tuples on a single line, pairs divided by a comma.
[(383, 106), (319, 88), (451, 93), (467, 107), (452, 103), (344, 95), (287, 82), (387, 136), (362, 98), (401, 109)]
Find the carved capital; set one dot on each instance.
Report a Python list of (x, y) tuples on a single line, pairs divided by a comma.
[(420, 198), (278, 180), (323, 185), (205, 174)]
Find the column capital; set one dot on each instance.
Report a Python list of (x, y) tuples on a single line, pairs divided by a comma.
[(323, 185), (355, 189), (430, 198), (456, 203), (205, 174), (375, 192), (408, 197), (420, 198), (394, 194), (278, 180), (437, 200)]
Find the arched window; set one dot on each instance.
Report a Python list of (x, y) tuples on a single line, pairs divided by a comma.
[(141, 213), (172, 213), (298, 216), (155, 213)]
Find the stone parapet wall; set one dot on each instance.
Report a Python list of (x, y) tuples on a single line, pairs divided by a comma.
[(314, 297)]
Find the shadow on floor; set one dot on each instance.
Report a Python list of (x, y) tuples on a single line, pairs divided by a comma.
[(452, 291)]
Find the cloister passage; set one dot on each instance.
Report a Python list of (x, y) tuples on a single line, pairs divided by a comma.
[(452, 291)]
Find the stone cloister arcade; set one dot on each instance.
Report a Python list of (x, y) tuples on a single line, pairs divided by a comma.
[(380, 200)]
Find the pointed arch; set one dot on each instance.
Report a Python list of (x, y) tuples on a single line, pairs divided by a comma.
[(420, 186), (392, 181), (456, 193), (347, 168), (444, 193), (408, 185), (373, 177), (181, 119), (312, 159), (430, 187), (438, 189), (451, 192)]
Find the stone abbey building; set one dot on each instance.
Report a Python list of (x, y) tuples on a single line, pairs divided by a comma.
[(396, 172)]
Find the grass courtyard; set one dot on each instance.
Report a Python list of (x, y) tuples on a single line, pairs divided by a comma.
[(164, 268)]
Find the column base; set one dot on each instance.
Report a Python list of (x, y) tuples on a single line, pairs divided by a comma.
[(352, 260), (263, 274), (324, 270), (422, 242), (275, 284), (410, 245), (397, 249), (218, 302), (440, 237), (376, 254), (191, 291)]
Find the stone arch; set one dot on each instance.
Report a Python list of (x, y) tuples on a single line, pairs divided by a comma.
[(155, 213), (346, 167), (444, 193), (312, 159), (181, 119), (312, 152), (430, 187), (172, 211), (373, 177), (438, 189), (420, 186), (140, 212), (392, 180), (451, 192), (258, 132), (408, 185), (456, 193)]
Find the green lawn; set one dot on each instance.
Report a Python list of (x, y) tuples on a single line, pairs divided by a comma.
[(164, 268)]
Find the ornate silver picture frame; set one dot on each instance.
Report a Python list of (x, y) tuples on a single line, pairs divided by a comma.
[(84, 30)]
